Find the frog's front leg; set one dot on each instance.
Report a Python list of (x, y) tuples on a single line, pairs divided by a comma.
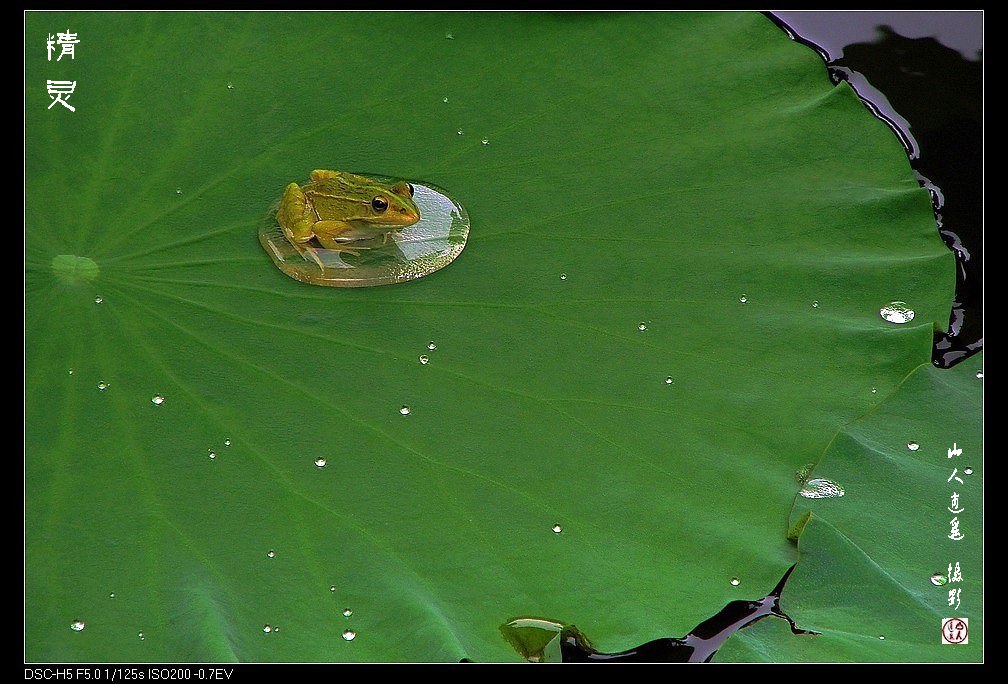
[(328, 231)]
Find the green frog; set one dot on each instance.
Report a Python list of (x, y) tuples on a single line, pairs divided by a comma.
[(339, 209)]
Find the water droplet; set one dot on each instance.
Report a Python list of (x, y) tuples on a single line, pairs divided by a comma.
[(111, 595), (735, 581), (968, 471), (874, 390), (743, 299), (485, 141), (815, 304), (77, 625), (211, 453), (227, 442), (98, 300), (668, 380), (404, 410), (431, 346), (818, 488), (267, 629), (178, 191), (563, 276), (979, 375), (445, 100), (424, 359), (347, 612), (70, 372), (271, 553), (276, 628), (230, 86), (320, 462), (897, 312), (913, 446), (141, 636), (557, 529), (881, 637), (449, 36), (102, 386), (459, 131), (157, 400), (349, 635), (938, 579), (642, 327), (332, 588)]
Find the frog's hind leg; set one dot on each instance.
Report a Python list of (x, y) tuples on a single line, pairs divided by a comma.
[(328, 231), (297, 218)]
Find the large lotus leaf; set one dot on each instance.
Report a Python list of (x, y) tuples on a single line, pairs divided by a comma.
[(670, 165), (866, 560)]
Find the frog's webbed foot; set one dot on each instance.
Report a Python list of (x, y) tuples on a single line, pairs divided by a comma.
[(341, 247), (321, 174)]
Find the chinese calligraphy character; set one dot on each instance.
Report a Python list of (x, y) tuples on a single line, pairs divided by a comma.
[(955, 534), (953, 599), (50, 46), (59, 90), (954, 451), (954, 508), (956, 575), (67, 41), (955, 475)]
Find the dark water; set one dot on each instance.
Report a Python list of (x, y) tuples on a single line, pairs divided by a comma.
[(699, 646), (921, 72)]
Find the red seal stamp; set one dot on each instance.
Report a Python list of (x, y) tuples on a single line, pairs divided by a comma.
[(955, 631)]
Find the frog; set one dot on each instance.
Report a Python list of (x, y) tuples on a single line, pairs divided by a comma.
[(339, 209)]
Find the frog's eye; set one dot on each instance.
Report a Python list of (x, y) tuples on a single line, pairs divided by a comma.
[(403, 188), (379, 204)]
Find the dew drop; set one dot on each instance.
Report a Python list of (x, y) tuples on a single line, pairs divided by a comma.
[(404, 410), (938, 579), (271, 553), (449, 36), (557, 529), (485, 141), (668, 379), (111, 595), (897, 312), (70, 372), (157, 400), (349, 635), (267, 629), (881, 637), (563, 276), (431, 346), (459, 131), (98, 300), (968, 471), (332, 588), (913, 446), (815, 304), (140, 635), (743, 299), (445, 100), (642, 327), (818, 488), (211, 453), (227, 442), (320, 462), (874, 390), (979, 375), (735, 581), (424, 359), (347, 612), (178, 191), (102, 386), (77, 625), (230, 86)]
